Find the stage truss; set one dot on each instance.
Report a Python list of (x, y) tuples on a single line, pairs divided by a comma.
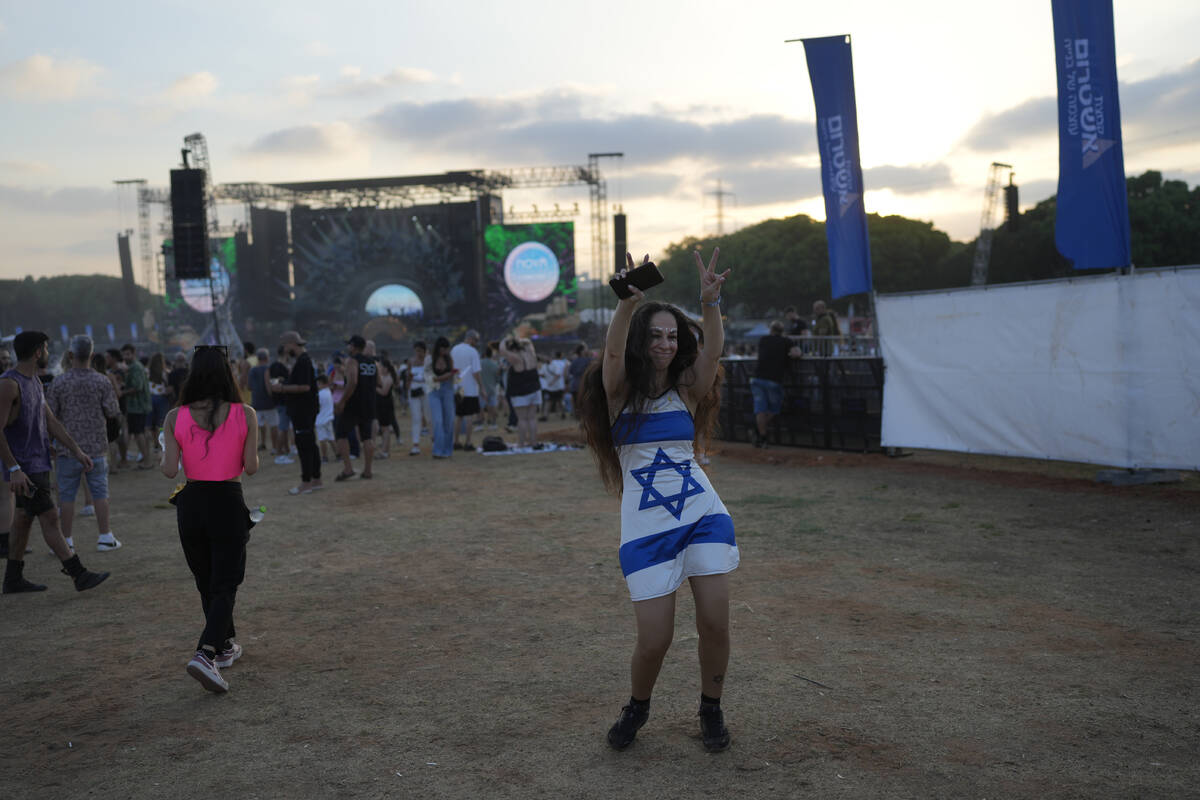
[(393, 192)]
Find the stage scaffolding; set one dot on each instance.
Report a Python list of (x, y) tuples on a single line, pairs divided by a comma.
[(400, 192)]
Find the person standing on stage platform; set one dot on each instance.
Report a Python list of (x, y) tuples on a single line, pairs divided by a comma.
[(302, 403), (357, 408), (25, 456), (215, 436)]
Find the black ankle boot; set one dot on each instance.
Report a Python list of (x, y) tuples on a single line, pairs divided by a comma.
[(633, 717), (712, 728), (14, 580), (84, 579)]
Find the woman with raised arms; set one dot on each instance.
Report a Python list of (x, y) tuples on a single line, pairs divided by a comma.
[(643, 404)]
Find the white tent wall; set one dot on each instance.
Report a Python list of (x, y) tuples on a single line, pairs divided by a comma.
[(1104, 369)]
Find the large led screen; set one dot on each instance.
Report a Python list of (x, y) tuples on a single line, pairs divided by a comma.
[(529, 271)]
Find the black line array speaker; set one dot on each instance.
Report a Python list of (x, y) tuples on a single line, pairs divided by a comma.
[(127, 282), (1012, 211), (189, 224), (620, 242)]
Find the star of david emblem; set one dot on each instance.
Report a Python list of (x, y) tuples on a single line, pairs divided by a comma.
[(651, 497)]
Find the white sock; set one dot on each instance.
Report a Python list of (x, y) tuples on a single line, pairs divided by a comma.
[(107, 536)]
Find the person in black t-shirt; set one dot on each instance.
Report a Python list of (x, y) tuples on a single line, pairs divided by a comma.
[(775, 352), (357, 408), (176, 377), (300, 397)]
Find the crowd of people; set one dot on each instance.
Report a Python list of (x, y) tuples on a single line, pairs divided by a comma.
[(643, 404)]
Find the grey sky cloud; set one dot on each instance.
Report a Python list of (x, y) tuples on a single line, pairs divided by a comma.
[(643, 184), (554, 127), (764, 185), (1155, 112), (65, 201), (305, 140), (757, 186), (909, 179)]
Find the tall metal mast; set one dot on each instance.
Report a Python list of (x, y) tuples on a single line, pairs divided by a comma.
[(983, 245)]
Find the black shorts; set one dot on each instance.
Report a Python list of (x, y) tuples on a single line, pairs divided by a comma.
[(137, 423), (466, 406), (343, 424), (42, 499)]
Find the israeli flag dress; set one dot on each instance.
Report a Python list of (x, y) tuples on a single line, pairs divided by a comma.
[(673, 524)]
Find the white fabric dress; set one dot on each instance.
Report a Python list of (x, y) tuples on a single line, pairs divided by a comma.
[(673, 524)]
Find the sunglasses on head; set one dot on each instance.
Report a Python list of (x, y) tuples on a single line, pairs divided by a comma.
[(223, 349)]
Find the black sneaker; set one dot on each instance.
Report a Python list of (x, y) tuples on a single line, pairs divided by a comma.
[(21, 585), (712, 728), (622, 733), (89, 580)]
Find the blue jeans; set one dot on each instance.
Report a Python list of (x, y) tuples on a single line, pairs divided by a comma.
[(441, 408)]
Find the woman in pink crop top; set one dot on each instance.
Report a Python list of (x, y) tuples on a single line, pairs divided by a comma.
[(216, 437)]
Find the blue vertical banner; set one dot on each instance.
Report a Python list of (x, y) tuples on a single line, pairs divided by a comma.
[(1092, 221), (831, 70), (88, 330), (112, 332), (66, 336)]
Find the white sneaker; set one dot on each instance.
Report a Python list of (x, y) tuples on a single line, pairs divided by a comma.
[(226, 657), (202, 668), (284, 460), (87, 511), (415, 451), (109, 542)]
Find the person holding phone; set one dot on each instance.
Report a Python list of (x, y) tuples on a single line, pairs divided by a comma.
[(216, 437), (642, 406)]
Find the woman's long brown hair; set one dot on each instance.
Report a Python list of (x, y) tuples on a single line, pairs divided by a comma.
[(639, 376)]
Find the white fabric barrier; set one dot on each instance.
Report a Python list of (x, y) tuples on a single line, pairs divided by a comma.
[(1104, 370)]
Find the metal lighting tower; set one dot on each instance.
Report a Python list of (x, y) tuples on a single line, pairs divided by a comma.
[(983, 245), (599, 196), (720, 194)]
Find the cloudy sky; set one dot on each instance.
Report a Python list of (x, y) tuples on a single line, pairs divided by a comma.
[(692, 93)]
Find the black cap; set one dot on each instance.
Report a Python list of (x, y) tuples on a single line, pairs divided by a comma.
[(356, 341)]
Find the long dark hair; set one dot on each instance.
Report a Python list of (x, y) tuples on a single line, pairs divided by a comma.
[(158, 367), (638, 389), (210, 378), (441, 346)]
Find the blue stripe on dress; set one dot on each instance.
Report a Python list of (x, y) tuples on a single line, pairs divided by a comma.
[(665, 546), (666, 426)]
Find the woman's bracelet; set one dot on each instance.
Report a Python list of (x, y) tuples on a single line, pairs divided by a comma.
[(716, 302)]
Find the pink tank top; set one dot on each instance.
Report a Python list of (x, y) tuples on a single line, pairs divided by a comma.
[(222, 460)]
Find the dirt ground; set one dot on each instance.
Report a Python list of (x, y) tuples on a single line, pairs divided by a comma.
[(935, 626)]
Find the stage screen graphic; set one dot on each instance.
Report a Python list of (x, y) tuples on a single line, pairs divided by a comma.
[(195, 294), (529, 272), (352, 264)]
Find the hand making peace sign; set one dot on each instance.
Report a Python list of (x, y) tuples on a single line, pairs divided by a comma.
[(710, 280)]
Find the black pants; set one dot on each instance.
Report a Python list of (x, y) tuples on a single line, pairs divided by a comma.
[(214, 527), (307, 449)]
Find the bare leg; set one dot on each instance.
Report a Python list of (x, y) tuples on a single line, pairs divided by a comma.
[(655, 627), (23, 524), (101, 515), (67, 519), (711, 593), (343, 449), (368, 451)]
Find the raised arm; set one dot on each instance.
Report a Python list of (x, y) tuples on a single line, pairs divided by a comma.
[(705, 368), (613, 369)]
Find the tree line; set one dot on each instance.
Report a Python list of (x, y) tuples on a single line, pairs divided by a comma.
[(782, 262)]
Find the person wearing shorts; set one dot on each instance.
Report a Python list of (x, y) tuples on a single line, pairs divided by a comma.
[(25, 457), (84, 400), (774, 354), (357, 408)]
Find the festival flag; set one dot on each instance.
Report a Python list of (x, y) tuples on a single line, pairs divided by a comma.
[(112, 332), (88, 330), (133, 331), (63, 330), (831, 70), (1092, 218)]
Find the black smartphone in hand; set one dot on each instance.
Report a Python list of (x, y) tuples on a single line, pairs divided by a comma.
[(643, 277)]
